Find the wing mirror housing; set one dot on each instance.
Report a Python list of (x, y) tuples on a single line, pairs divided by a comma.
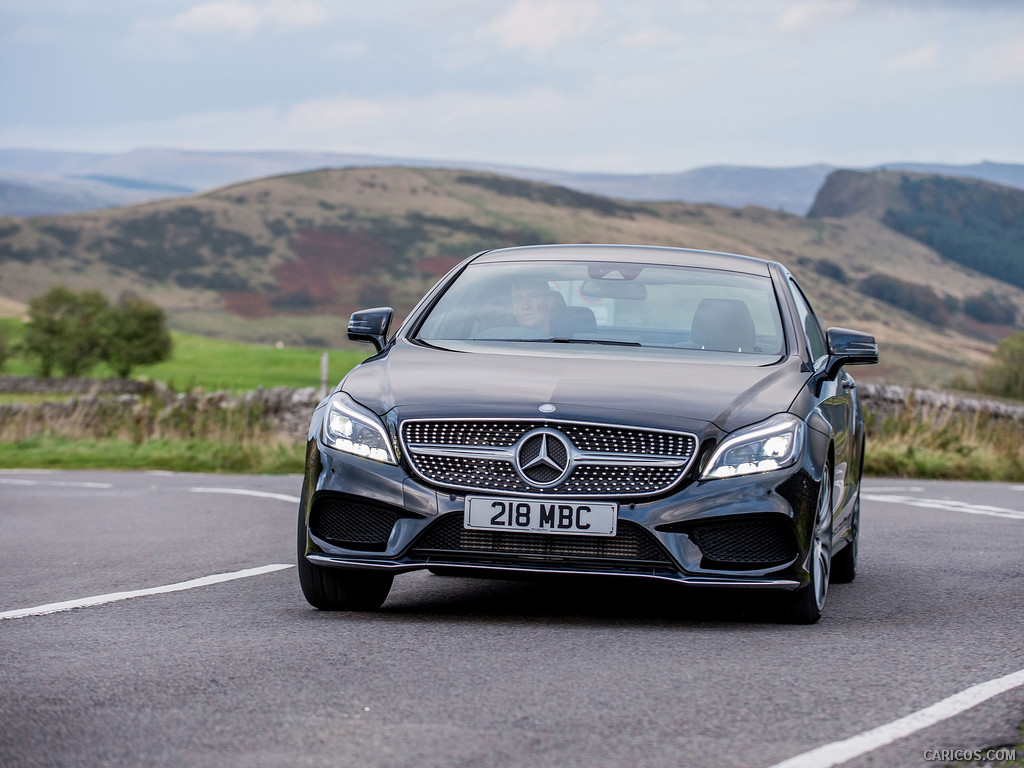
[(371, 325), (846, 347)]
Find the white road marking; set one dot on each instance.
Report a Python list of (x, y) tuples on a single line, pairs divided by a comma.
[(244, 492), (217, 578), (59, 483), (946, 504), (840, 751), (892, 488)]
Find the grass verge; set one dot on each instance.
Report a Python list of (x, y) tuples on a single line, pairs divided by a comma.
[(174, 455), (949, 445)]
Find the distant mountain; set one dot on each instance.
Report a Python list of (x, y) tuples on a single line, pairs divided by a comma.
[(167, 171), (289, 257)]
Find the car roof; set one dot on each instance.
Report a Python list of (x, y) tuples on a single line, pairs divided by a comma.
[(642, 254)]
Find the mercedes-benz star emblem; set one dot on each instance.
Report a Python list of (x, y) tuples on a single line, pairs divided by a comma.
[(542, 458)]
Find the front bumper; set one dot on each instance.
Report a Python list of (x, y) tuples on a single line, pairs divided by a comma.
[(679, 536)]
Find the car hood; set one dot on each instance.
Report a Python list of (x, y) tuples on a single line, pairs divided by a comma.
[(620, 385)]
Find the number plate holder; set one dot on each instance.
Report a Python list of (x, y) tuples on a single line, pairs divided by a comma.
[(559, 516)]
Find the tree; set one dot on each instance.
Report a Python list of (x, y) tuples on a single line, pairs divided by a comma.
[(1004, 375), (65, 331), (136, 334), (6, 347)]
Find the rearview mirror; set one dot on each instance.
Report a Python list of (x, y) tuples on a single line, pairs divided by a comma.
[(613, 289), (371, 325), (846, 347)]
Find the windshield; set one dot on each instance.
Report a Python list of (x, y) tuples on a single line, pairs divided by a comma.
[(606, 303)]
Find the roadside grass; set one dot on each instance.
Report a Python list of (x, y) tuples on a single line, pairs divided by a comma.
[(950, 445), (173, 455), (212, 364)]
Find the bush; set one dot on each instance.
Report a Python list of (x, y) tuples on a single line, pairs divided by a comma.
[(6, 347), (1004, 375), (918, 300), (989, 308)]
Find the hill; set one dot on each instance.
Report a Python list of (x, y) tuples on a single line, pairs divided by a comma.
[(290, 257), (974, 223)]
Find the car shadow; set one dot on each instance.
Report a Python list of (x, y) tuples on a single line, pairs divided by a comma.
[(571, 599)]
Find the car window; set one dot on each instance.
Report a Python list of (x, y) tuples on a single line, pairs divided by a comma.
[(809, 323), (627, 304)]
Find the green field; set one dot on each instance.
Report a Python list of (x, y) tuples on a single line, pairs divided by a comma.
[(215, 365)]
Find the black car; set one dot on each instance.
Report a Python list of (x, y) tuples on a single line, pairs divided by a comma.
[(592, 409)]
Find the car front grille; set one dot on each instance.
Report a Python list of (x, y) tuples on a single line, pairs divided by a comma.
[(745, 543), (605, 460), (631, 544), (350, 524)]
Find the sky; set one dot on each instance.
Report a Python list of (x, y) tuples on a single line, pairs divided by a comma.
[(624, 86)]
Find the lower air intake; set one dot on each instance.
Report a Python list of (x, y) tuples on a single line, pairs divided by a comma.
[(352, 525), (745, 544), (632, 544)]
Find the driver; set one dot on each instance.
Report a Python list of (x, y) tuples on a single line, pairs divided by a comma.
[(532, 301)]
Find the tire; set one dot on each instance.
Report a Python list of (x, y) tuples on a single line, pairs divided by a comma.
[(335, 589), (805, 605), (844, 564)]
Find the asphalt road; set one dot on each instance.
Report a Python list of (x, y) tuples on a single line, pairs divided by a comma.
[(469, 672)]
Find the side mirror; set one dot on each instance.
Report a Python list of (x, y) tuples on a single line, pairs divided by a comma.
[(371, 325), (846, 347)]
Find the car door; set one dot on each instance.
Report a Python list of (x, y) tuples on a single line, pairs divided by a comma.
[(836, 404)]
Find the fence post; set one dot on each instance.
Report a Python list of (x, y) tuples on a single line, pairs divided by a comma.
[(323, 375)]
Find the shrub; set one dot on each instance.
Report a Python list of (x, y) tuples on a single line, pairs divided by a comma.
[(6, 347), (989, 308), (918, 300), (1004, 375)]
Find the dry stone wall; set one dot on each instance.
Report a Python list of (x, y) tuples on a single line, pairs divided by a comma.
[(133, 410)]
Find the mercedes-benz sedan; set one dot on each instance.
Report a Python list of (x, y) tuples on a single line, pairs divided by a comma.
[(592, 409)]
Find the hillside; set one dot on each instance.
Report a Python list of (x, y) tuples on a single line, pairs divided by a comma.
[(290, 257)]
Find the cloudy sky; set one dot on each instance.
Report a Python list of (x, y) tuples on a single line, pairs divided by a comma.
[(599, 85)]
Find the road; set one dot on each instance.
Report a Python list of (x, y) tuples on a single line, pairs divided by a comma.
[(470, 672)]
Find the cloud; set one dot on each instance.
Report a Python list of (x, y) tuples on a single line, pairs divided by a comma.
[(245, 18), (650, 37), (919, 60), (219, 16), (798, 19), (1001, 61), (543, 24)]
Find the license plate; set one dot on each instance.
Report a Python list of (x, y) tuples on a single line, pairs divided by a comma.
[(539, 516)]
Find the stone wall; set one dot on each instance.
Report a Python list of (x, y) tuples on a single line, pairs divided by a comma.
[(129, 409), (279, 413)]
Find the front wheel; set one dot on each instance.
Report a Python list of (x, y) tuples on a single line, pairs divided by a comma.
[(332, 589), (805, 605)]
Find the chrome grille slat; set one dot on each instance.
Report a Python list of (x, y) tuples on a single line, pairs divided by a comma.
[(609, 460)]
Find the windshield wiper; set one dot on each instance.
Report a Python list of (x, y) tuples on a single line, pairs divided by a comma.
[(563, 340)]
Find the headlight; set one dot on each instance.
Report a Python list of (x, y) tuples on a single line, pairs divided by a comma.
[(353, 429), (772, 444)]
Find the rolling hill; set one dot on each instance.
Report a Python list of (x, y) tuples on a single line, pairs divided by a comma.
[(290, 257)]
